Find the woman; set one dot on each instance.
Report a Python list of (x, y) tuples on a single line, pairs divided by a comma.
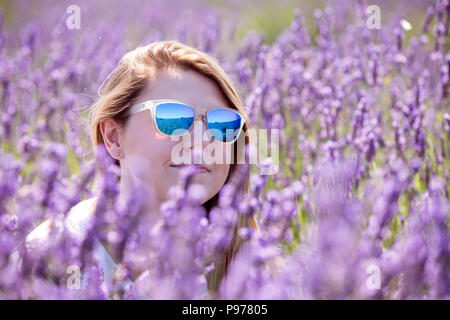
[(153, 88)]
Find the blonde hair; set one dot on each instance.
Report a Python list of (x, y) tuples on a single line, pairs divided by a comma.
[(124, 85)]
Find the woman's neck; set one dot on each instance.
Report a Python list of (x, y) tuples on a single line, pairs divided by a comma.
[(149, 206), (132, 188)]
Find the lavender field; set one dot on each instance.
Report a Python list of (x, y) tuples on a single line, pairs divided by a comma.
[(359, 208)]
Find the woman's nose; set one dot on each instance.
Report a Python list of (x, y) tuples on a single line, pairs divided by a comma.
[(201, 134)]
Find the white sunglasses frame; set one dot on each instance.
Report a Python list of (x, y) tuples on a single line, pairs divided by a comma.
[(152, 104)]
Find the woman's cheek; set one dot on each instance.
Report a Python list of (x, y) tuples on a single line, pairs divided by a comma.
[(222, 173)]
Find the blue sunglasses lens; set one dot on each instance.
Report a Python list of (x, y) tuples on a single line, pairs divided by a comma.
[(224, 124), (174, 118)]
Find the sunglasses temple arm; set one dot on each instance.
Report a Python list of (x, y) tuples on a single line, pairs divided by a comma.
[(139, 107)]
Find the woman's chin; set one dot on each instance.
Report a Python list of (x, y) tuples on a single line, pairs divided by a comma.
[(203, 178)]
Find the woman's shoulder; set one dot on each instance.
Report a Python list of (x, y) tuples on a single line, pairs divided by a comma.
[(79, 217), (76, 221)]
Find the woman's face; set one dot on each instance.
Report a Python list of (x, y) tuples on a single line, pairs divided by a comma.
[(147, 155)]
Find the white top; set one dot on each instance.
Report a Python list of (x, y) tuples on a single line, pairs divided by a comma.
[(77, 221)]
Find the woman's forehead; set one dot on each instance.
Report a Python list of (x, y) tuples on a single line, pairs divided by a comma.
[(187, 86)]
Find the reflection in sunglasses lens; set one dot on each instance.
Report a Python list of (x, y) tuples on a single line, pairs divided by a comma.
[(171, 117), (224, 124)]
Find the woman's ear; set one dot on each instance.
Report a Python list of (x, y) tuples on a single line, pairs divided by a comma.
[(111, 132)]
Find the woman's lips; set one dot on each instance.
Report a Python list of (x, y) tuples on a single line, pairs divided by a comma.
[(201, 168)]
